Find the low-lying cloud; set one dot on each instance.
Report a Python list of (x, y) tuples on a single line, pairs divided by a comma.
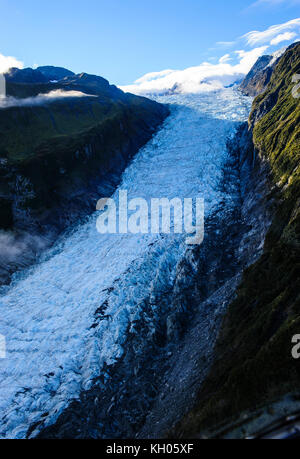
[(41, 99), (205, 77), (13, 247)]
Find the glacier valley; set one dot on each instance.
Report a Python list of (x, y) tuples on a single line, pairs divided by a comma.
[(67, 319)]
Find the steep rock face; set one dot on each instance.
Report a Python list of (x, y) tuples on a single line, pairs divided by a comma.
[(58, 156), (258, 78), (253, 367)]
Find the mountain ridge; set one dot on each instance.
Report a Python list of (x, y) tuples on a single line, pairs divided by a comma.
[(63, 145), (259, 76)]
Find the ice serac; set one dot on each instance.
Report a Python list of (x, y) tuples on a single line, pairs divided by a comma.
[(95, 317)]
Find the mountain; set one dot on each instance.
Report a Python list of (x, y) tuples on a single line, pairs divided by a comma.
[(258, 77), (55, 73), (254, 378), (257, 80), (39, 75), (62, 146), (26, 76)]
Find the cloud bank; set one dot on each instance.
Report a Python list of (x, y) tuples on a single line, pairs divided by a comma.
[(231, 67), (205, 77), (41, 99), (7, 62)]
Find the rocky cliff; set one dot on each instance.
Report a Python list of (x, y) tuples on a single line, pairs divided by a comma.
[(63, 146), (253, 377), (257, 80)]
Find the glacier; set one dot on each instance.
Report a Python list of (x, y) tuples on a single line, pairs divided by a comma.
[(54, 349)]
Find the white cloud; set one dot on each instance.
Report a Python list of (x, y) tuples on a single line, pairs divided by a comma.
[(154, 75), (7, 62), (283, 37), (225, 58), (60, 93), (202, 78), (255, 37), (229, 69), (248, 58), (225, 43), (41, 99), (273, 3), (12, 247)]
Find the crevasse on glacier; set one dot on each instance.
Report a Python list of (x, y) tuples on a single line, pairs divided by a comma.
[(48, 313)]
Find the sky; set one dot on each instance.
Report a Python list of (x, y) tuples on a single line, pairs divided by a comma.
[(122, 40)]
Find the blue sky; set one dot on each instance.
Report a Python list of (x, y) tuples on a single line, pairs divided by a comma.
[(125, 39)]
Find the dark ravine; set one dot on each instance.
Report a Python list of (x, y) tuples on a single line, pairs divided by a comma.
[(58, 158)]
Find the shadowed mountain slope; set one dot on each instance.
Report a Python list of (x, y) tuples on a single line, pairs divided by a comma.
[(62, 147)]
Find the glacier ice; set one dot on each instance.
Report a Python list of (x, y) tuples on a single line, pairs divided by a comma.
[(47, 314)]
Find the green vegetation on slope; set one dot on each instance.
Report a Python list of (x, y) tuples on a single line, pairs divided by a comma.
[(25, 128), (277, 134), (66, 141), (254, 365)]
